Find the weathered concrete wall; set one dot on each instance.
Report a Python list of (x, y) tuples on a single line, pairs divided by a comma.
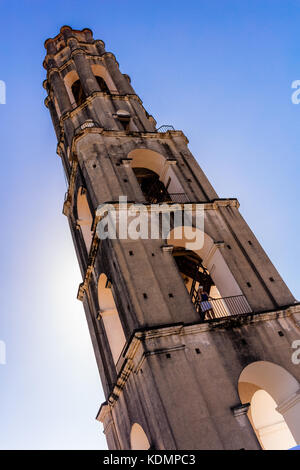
[(185, 379)]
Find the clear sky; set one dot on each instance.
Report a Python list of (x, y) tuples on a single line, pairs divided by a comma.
[(220, 70)]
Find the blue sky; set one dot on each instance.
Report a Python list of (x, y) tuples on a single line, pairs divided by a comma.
[(220, 70)]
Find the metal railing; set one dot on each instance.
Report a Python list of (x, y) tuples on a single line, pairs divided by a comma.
[(155, 197), (165, 128), (222, 307), (178, 197)]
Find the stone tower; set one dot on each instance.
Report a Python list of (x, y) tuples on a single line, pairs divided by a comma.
[(178, 371)]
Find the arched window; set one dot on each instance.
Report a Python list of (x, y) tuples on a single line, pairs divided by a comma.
[(155, 172), (195, 277), (152, 188), (103, 78), (138, 438), (274, 397), (110, 317), (70, 79), (85, 218), (102, 84), (78, 92), (206, 274)]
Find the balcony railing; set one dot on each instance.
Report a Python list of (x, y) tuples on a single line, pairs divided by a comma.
[(179, 197), (155, 196), (165, 128), (222, 307)]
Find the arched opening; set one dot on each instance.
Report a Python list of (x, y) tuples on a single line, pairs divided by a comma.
[(138, 438), (85, 218), (103, 78), (78, 92), (102, 84), (153, 189), (207, 277), (271, 428), (74, 88), (156, 177), (198, 282), (274, 413), (110, 317)]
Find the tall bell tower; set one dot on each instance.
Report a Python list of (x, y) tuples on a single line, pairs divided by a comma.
[(186, 340)]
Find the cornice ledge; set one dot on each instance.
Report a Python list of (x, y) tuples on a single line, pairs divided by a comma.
[(96, 94), (104, 410), (77, 51), (163, 207), (147, 135), (225, 202), (81, 135), (52, 71), (157, 332), (240, 320), (69, 59)]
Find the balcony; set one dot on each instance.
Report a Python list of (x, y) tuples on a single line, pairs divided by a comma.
[(222, 307)]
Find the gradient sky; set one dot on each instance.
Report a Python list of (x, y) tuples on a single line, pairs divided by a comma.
[(220, 70)]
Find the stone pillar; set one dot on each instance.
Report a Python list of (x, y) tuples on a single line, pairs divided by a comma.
[(100, 46), (88, 35), (134, 188), (54, 116), (50, 46), (86, 76), (121, 82), (60, 91)]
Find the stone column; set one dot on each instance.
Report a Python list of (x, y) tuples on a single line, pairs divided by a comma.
[(60, 91), (83, 68), (54, 116), (100, 46), (133, 186), (121, 82), (88, 35)]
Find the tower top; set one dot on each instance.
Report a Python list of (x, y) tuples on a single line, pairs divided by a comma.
[(85, 34), (67, 36)]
